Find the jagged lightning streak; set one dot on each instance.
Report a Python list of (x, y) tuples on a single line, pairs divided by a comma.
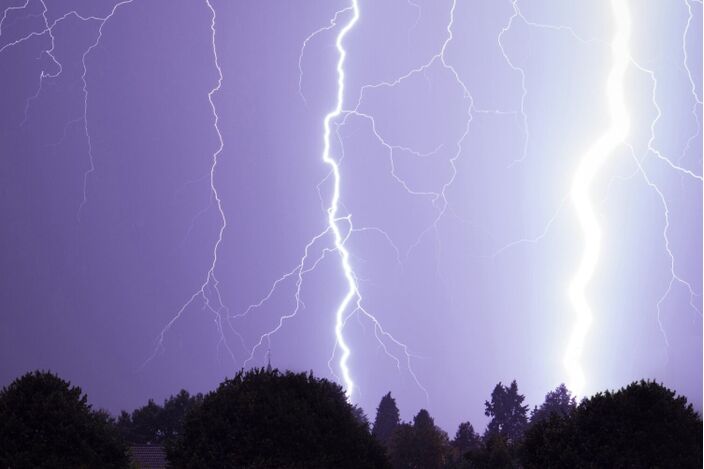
[(89, 140), (209, 291), (8, 10), (524, 90), (49, 30), (693, 87), (517, 13), (587, 170), (352, 289), (300, 271), (341, 228), (651, 147), (311, 36), (685, 172), (674, 277), (438, 198), (43, 74)]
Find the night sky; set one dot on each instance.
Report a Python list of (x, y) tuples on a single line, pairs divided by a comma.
[(133, 266)]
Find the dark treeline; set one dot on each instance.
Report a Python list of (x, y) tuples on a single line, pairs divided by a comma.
[(269, 419)]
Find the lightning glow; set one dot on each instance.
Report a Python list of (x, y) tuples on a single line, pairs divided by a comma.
[(588, 169), (361, 108), (352, 289), (340, 227)]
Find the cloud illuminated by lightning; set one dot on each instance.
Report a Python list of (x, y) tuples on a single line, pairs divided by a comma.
[(588, 169)]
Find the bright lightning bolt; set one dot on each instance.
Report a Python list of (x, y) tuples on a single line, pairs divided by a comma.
[(437, 197), (587, 170), (339, 226), (352, 289)]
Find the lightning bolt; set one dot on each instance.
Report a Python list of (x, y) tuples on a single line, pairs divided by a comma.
[(524, 90), (697, 101), (311, 36), (658, 154), (43, 74), (89, 140), (438, 198), (339, 227), (518, 15), (352, 288), (685, 172), (8, 10), (209, 291), (49, 30), (674, 277), (587, 170)]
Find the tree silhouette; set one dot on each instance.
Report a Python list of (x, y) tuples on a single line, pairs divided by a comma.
[(387, 419), (466, 439), (560, 402), (494, 453), (508, 414), (642, 425), (153, 423), (361, 417), (421, 445), (46, 423), (262, 419)]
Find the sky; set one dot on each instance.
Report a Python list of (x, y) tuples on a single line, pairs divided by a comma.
[(166, 194)]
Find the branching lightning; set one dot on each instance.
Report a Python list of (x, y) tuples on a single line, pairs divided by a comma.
[(587, 170), (332, 240), (697, 101), (686, 172), (341, 227), (311, 36), (675, 278), (524, 90), (518, 14), (438, 198), (209, 291), (44, 74), (91, 167)]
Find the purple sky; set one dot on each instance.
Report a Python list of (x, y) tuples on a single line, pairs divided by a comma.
[(464, 238)]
